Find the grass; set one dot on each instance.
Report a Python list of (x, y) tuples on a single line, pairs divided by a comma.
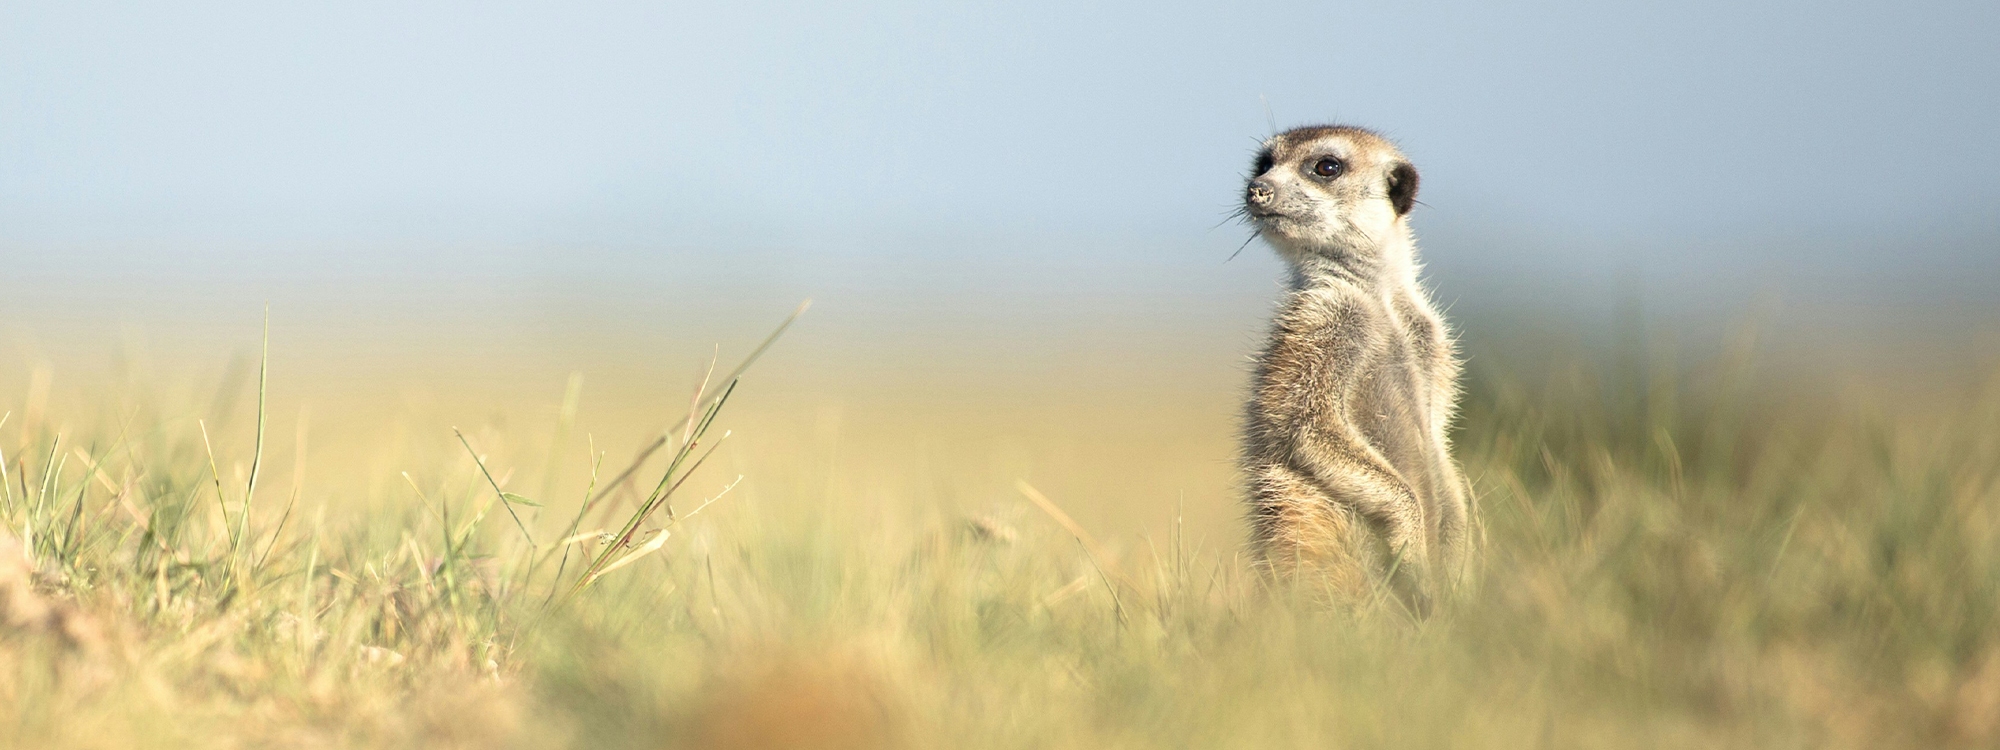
[(1684, 559)]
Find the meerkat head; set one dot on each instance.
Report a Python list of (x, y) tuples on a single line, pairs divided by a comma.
[(1330, 192)]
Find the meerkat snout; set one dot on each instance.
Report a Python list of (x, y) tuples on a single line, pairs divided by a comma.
[(1259, 194)]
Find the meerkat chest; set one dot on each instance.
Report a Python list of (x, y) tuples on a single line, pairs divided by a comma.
[(1388, 327), (1378, 343)]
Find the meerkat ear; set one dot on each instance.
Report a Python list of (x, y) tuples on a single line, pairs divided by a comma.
[(1402, 187)]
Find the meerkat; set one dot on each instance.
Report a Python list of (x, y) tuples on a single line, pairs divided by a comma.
[(1349, 470)]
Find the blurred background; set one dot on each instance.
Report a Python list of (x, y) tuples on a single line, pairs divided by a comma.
[(1012, 218)]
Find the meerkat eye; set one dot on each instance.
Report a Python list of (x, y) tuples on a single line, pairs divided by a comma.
[(1328, 166)]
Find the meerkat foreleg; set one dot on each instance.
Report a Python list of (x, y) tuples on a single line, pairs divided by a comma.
[(1454, 529), (1364, 482), (1297, 527), (1453, 498), (1458, 538)]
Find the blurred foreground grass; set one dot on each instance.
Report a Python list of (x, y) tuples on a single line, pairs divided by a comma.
[(1683, 559)]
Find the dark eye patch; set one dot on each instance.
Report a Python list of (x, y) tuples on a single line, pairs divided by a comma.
[(1263, 164)]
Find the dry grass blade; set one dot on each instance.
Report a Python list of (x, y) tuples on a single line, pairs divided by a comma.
[(653, 545), (221, 502), (661, 441), (6, 490), (1098, 557), (670, 481), (506, 501), (257, 453), (582, 537)]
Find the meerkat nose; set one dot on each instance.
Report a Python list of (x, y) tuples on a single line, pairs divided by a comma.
[(1260, 192)]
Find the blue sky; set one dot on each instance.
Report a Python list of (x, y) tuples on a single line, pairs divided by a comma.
[(369, 122), (998, 175)]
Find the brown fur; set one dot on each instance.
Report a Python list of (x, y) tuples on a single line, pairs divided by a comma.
[(1344, 447)]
